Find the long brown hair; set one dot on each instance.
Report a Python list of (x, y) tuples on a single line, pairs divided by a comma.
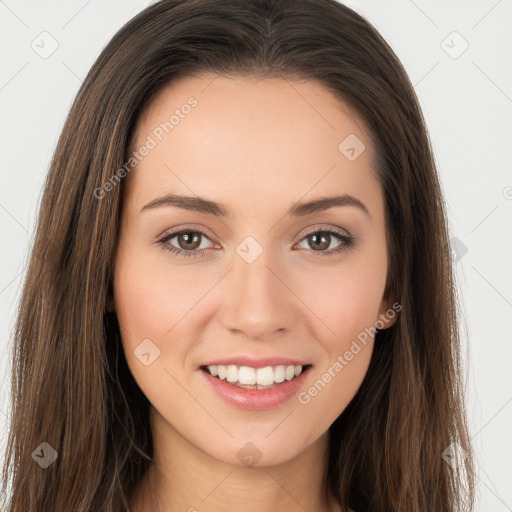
[(71, 387)]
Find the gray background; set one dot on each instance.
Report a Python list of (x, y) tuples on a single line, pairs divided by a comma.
[(466, 96)]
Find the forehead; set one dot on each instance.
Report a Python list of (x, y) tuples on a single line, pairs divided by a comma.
[(219, 135)]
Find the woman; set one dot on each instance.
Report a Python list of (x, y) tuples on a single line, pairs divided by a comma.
[(240, 293)]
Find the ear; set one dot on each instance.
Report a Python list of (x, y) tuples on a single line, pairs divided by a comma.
[(388, 313)]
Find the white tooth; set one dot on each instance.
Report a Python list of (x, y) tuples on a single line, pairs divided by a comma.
[(289, 372), (279, 374), (246, 375), (265, 376), (256, 386), (232, 373), (221, 371)]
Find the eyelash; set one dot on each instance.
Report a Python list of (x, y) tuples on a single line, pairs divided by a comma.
[(348, 242)]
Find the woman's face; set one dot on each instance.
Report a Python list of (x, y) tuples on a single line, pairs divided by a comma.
[(263, 281)]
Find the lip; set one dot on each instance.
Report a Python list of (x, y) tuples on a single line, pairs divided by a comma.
[(256, 362), (254, 399)]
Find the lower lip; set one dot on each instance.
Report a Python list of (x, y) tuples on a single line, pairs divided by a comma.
[(254, 399)]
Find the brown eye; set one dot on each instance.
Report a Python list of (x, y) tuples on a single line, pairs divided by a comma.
[(188, 240), (187, 244), (320, 240)]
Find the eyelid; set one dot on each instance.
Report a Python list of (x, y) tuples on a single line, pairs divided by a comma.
[(186, 227), (324, 227), (348, 242), (205, 231)]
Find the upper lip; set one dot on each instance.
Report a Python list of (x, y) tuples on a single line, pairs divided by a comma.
[(256, 362)]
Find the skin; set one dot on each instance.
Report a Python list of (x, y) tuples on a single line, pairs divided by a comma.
[(257, 146)]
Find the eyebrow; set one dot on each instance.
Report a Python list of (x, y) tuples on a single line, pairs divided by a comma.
[(298, 209)]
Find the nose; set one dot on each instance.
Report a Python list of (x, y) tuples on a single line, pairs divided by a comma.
[(256, 298)]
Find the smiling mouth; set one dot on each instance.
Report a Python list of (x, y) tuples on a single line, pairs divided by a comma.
[(255, 378)]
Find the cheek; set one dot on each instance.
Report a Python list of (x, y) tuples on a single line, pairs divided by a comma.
[(138, 301), (157, 302), (148, 306), (341, 299), (144, 307), (347, 301), (152, 294), (346, 298)]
